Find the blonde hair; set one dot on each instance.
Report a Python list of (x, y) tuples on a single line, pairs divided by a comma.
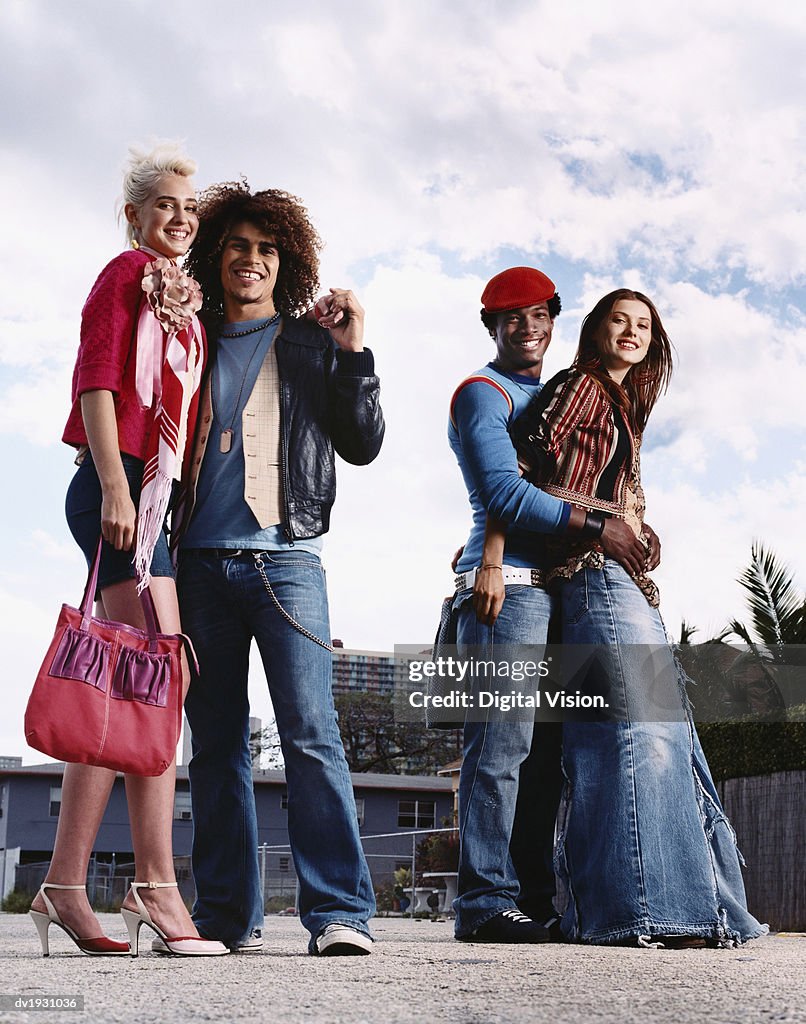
[(145, 167)]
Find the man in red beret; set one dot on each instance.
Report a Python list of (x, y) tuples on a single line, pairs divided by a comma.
[(519, 307)]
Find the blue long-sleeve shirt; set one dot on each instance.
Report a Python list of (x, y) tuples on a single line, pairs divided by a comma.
[(479, 437)]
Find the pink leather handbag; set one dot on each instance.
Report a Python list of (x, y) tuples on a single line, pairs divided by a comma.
[(107, 693)]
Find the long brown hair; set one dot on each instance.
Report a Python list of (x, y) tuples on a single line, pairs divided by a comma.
[(642, 384)]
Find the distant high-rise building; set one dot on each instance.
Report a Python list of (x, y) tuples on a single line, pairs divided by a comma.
[(408, 748), (364, 671)]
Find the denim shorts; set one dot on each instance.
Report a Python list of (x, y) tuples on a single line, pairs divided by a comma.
[(83, 509)]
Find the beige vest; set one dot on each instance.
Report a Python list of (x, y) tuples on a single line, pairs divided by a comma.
[(261, 445)]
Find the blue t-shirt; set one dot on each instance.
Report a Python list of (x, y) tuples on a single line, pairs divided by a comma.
[(479, 437), (221, 517)]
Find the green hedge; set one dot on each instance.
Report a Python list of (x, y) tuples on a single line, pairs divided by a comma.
[(17, 902), (737, 749)]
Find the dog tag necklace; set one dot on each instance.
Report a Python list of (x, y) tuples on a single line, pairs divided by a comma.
[(225, 441)]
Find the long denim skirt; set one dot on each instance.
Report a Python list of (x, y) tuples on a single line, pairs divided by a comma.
[(644, 848)]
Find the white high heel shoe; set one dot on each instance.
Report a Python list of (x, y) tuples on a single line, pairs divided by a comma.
[(181, 945), (100, 946)]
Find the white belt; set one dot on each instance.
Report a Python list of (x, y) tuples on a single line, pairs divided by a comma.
[(513, 575)]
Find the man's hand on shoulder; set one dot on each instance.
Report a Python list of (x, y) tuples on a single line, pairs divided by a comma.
[(342, 314)]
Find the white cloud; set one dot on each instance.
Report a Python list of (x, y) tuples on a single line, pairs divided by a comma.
[(707, 541), (650, 145), (36, 407), (741, 371)]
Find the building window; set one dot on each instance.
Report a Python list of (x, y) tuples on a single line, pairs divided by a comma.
[(416, 813), (359, 810), (55, 801), (182, 810), (285, 863), (284, 801)]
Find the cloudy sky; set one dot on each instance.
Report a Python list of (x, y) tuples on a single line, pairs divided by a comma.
[(659, 146)]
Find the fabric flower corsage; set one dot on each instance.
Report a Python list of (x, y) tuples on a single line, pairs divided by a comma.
[(173, 296)]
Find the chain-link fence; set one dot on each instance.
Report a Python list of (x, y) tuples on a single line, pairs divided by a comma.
[(392, 868), (108, 881)]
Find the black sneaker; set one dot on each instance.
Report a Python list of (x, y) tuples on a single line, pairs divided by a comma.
[(509, 926), (552, 926)]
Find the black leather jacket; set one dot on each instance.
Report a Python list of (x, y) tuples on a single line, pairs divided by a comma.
[(329, 400)]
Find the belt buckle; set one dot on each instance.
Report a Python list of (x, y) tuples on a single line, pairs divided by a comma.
[(459, 580)]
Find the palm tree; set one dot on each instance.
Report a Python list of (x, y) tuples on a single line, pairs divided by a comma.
[(778, 615), (746, 682), (778, 609), (733, 681)]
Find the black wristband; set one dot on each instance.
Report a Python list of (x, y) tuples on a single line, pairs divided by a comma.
[(593, 526)]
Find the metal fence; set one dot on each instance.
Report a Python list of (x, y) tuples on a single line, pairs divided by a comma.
[(275, 885), (107, 881), (768, 813)]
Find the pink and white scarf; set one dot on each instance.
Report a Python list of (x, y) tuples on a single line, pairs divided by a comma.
[(170, 359)]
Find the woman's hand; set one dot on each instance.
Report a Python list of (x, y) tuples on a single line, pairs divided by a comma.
[(488, 594), (117, 509), (653, 546), (118, 516)]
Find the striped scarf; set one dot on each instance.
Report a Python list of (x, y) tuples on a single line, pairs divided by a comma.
[(170, 359)]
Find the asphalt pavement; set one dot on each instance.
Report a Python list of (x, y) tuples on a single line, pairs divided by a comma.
[(417, 972)]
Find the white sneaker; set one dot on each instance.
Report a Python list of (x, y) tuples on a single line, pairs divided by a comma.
[(253, 943), (341, 940)]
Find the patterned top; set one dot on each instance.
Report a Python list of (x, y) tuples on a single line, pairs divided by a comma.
[(573, 442)]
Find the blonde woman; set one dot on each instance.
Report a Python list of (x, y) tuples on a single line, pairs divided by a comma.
[(127, 394)]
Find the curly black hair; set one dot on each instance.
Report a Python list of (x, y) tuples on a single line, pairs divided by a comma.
[(490, 320), (278, 214)]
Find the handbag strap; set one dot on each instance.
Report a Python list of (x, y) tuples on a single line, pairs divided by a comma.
[(146, 600)]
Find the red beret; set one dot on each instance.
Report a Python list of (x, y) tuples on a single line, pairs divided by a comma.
[(515, 288)]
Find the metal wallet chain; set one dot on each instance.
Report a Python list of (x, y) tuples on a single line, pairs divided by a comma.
[(289, 618)]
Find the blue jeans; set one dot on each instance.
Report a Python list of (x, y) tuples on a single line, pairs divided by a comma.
[(644, 846), (494, 751), (224, 603)]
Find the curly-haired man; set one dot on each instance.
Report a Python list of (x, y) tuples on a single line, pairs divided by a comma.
[(284, 390)]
